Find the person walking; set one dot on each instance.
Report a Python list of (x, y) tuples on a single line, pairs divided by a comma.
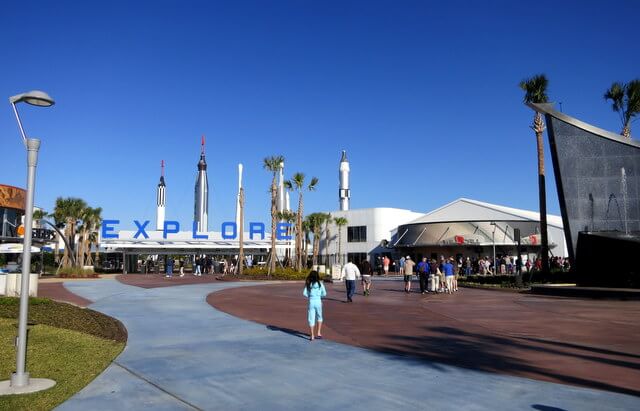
[(169, 267), (423, 274), (408, 273), (181, 264), (366, 270), (448, 274), (314, 290), (385, 264), (350, 272), (434, 277), (198, 263)]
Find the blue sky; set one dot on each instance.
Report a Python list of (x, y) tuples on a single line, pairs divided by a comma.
[(423, 96)]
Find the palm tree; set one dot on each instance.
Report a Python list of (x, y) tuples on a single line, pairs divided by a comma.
[(625, 100), (315, 222), (535, 90), (297, 182), (273, 164), (67, 212), (288, 217), (340, 222), (91, 219), (327, 237)]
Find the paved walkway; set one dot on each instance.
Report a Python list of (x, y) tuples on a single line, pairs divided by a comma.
[(183, 354), (589, 343)]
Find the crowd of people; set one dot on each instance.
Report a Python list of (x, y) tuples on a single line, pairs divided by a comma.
[(198, 266), (504, 265)]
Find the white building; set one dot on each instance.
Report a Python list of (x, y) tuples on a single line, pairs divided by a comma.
[(463, 227), (363, 234), (473, 228)]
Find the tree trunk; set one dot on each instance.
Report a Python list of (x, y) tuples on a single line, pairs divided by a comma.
[(339, 245), (299, 234), (626, 130), (88, 259), (67, 247), (538, 127), (316, 248), (272, 253)]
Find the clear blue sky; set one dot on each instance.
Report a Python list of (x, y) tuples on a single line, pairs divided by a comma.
[(423, 95)]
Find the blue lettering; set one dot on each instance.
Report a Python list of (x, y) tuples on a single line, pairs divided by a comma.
[(281, 231), (141, 229), (256, 228), (166, 230), (107, 229), (234, 234), (197, 236)]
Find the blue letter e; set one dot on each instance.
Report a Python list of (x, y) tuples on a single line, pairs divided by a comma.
[(107, 229), (281, 231)]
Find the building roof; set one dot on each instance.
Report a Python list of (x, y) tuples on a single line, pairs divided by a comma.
[(464, 209)]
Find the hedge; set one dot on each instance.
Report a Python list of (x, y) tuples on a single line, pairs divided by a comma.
[(288, 274), (558, 277)]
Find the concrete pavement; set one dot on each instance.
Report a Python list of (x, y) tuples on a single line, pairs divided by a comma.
[(183, 354)]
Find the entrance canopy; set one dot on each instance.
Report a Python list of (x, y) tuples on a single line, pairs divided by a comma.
[(183, 243)]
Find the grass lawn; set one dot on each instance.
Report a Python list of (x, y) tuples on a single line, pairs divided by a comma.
[(72, 358)]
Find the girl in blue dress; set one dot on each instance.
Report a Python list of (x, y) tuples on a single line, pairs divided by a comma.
[(314, 290)]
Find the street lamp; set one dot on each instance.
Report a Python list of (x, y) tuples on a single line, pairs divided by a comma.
[(20, 382)]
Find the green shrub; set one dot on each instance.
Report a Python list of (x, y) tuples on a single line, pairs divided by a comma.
[(288, 274), (509, 281), (74, 272)]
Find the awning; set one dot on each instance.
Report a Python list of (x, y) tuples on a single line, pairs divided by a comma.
[(15, 248)]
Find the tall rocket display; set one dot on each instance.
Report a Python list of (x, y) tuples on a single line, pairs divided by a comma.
[(201, 206), (160, 199), (281, 204), (238, 197), (343, 192)]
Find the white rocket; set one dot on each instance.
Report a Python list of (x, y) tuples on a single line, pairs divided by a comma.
[(343, 192), (281, 201), (238, 196), (201, 206), (160, 199)]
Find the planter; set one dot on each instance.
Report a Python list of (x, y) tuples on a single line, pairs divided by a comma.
[(14, 285)]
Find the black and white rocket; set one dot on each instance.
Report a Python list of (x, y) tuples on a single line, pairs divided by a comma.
[(201, 206), (160, 199), (343, 192)]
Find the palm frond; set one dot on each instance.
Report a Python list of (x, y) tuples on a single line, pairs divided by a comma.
[(535, 89), (313, 184)]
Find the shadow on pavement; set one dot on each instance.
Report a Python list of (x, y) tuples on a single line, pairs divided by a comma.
[(501, 354), (289, 331)]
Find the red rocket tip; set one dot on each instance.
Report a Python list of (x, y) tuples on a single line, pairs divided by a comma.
[(162, 168), (202, 143)]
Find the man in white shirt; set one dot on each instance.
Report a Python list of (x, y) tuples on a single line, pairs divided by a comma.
[(350, 272)]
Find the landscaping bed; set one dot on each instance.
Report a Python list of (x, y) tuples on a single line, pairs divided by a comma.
[(509, 281), (67, 316), (259, 274), (67, 344)]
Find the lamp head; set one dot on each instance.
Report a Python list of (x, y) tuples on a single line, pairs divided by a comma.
[(35, 98)]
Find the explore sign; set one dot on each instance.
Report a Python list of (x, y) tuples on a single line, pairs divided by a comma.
[(229, 230)]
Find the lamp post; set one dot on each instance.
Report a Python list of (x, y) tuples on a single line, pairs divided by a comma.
[(20, 381)]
